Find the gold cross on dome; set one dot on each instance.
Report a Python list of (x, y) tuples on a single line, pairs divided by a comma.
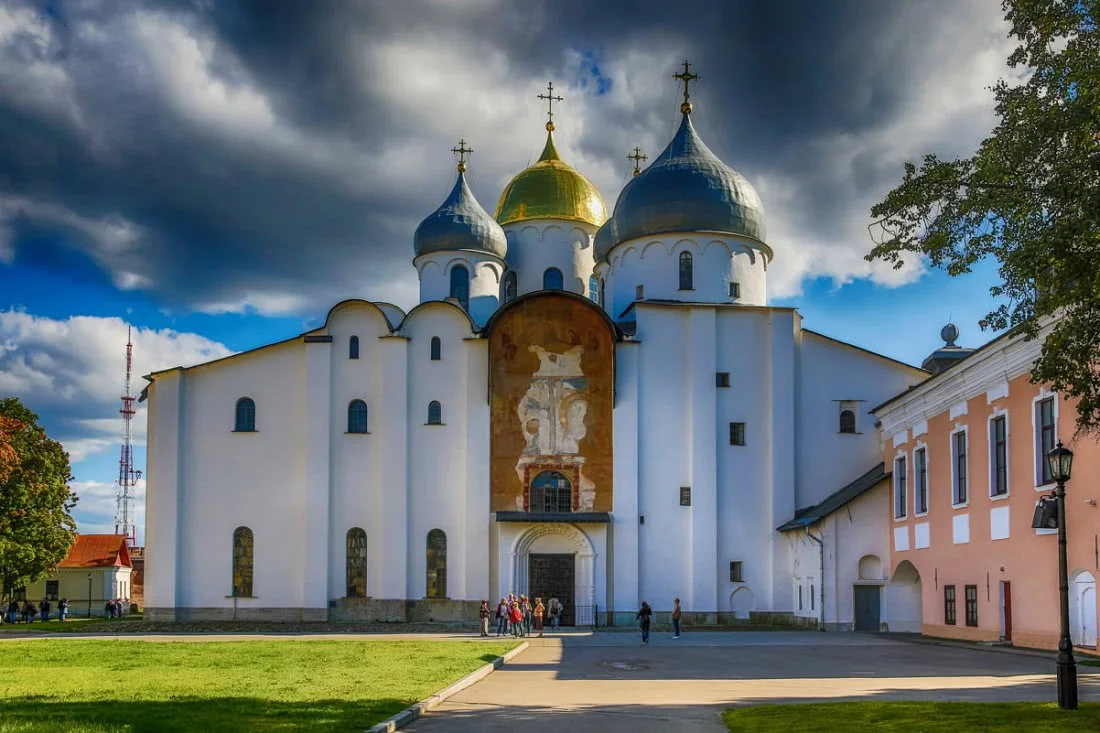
[(687, 77), (462, 151), (637, 156), (550, 99)]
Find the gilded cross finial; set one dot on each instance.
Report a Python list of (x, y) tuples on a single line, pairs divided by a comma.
[(686, 77), (637, 156), (550, 99), (462, 151)]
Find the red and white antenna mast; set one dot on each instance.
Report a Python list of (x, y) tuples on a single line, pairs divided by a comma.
[(127, 476)]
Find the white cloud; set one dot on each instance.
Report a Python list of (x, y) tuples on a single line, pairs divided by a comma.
[(95, 510)]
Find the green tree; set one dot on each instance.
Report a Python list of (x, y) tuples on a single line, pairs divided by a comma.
[(1029, 197), (36, 524)]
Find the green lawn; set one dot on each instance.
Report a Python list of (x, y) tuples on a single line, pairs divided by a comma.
[(98, 624), (912, 717), (100, 686)]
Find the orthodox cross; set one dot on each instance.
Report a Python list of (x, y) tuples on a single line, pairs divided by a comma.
[(687, 77), (637, 157), (550, 99), (462, 151)]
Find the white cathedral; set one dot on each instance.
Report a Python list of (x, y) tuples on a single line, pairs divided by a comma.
[(598, 408)]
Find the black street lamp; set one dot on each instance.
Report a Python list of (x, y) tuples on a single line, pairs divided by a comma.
[(89, 595), (1061, 461)]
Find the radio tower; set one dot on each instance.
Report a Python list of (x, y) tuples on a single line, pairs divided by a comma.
[(127, 476)]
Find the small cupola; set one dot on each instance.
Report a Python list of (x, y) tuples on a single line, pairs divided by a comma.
[(947, 355)]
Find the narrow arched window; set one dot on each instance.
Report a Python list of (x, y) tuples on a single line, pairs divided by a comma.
[(551, 491), (353, 347), (437, 564), (510, 287), (847, 421), (460, 286), (435, 413), (552, 279), (357, 416), (594, 289), (245, 421), (437, 348), (242, 562), (357, 563), (687, 275)]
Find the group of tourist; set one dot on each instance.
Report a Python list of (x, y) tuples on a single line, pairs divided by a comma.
[(31, 611), (645, 615), (518, 616)]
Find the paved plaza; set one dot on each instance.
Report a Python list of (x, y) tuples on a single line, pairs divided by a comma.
[(610, 682)]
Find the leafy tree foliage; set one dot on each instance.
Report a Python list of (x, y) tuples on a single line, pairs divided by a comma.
[(36, 526), (1029, 197)]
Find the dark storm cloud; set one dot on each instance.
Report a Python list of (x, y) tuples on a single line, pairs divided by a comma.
[(281, 153)]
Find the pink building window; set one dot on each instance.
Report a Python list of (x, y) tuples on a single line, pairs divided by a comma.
[(900, 495), (958, 449), (1044, 410), (998, 443), (920, 470)]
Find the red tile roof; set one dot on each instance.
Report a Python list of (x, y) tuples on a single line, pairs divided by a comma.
[(98, 551)]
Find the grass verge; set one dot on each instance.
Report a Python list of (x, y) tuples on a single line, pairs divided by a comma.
[(94, 686), (926, 717)]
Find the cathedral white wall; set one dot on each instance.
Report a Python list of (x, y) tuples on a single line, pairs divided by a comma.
[(162, 473), (438, 455), (485, 271), (625, 531), (230, 480), (356, 458), (654, 263), (831, 371), (535, 246)]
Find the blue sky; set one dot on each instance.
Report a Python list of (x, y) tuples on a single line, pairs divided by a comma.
[(217, 175)]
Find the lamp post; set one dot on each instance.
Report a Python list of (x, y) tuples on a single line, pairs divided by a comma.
[(89, 595), (1060, 461)]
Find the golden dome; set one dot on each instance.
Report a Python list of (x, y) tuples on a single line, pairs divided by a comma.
[(550, 189)]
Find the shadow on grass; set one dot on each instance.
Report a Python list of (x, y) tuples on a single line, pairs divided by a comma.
[(34, 713)]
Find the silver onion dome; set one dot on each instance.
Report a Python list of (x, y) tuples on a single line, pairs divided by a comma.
[(460, 224), (686, 189)]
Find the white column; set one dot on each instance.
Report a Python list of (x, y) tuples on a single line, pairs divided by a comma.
[(164, 471), (393, 470), (476, 503), (624, 516), (318, 475), (704, 462), (784, 361)]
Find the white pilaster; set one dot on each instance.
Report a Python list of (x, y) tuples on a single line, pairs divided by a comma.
[(164, 471), (476, 502), (624, 516), (393, 435), (317, 487), (704, 462)]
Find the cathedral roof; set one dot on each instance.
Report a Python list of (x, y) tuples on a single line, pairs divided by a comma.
[(460, 224), (686, 189), (551, 189)]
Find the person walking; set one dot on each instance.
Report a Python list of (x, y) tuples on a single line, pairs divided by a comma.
[(483, 615), (62, 609), (502, 618), (555, 613), (29, 612), (675, 618), (644, 614), (537, 613), (44, 610), (13, 612)]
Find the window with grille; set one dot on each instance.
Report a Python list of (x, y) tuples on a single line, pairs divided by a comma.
[(685, 496), (437, 564), (998, 459), (736, 567), (737, 433), (357, 416), (639, 292), (971, 605), (353, 347), (435, 413), (687, 275), (245, 416), (1044, 424), (813, 602), (594, 289), (900, 494), (242, 562), (958, 459), (551, 492), (735, 290), (510, 287), (799, 596), (52, 589), (722, 379), (949, 605), (460, 286), (847, 421), (920, 475), (356, 563)]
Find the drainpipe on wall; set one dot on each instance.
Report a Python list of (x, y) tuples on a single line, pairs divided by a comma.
[(821, 577)]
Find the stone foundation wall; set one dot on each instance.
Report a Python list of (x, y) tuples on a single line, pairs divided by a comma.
[(392, 610), (270, 615), (700, 619)]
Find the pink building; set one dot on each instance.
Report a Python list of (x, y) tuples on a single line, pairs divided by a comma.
[(967, 453)]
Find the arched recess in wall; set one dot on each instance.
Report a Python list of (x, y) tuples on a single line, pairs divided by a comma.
[(1082, 608), (742, 603), (870, 568), (904, 609)]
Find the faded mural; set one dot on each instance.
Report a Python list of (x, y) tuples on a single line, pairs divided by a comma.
[(552, 385)]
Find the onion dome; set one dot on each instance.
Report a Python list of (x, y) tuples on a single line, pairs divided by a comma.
[(551, 189), (687, 189), (603, 241), (460, 224)]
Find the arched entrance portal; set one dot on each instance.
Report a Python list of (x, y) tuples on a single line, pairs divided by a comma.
[(1082, 608), (556, 560), (903, 599)]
